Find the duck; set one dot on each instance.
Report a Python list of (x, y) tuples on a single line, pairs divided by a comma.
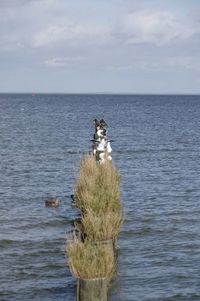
[(74, 200), (52, 203)]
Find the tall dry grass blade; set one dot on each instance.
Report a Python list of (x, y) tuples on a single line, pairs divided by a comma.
[(98, 186), (101, 227), (90, 261)]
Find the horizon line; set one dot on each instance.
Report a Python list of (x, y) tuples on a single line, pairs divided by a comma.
[(105, 93)]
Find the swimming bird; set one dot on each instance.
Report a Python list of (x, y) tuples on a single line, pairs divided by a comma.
[(52, 203), (74, 200)]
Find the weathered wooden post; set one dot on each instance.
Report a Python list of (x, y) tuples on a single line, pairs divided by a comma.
[(93, 266), (92, 254), (92, 289)]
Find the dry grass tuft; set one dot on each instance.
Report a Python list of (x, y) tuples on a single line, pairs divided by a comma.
[(90, 261), (98, 186), (101, 227)]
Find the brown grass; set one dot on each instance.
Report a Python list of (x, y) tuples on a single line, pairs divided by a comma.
[(90, 261), (98, 186), (101, 227)]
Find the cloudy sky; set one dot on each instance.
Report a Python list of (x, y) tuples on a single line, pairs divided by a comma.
[(130, 46)]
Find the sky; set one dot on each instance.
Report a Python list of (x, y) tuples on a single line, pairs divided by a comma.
[(100, 46)]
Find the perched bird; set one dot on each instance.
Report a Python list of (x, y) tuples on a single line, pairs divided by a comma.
[(95, 136), (103, 123), (109, 148), (101, 146), (102, 161), (102, 156), (52, 203), (97, 124), (101, 133)]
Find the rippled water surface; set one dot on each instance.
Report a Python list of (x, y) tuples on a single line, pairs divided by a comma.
[(157, 149)]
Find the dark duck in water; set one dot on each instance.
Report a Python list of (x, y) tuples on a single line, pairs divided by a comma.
[(52, 203)]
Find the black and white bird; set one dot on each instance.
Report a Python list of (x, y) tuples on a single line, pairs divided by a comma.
[(109, 148), (96, 124), (102, 123), (101, 133), (95, 136)]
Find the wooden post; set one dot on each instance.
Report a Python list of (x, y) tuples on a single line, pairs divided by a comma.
[(95, 289), (92, 289)]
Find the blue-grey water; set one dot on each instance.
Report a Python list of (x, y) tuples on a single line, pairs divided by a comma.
[(157, 150)]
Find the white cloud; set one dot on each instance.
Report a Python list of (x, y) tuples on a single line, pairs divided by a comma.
[(13, 3), (44, 24), (75, 33), (100, 40), (182, 63), (167, 64), (53, 34), (133, 66), (158, 28), (63, 61)]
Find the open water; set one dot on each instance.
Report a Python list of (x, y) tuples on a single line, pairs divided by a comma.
[(157, 150)]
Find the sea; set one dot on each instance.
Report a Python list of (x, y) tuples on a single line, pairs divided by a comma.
[(156, 147)]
